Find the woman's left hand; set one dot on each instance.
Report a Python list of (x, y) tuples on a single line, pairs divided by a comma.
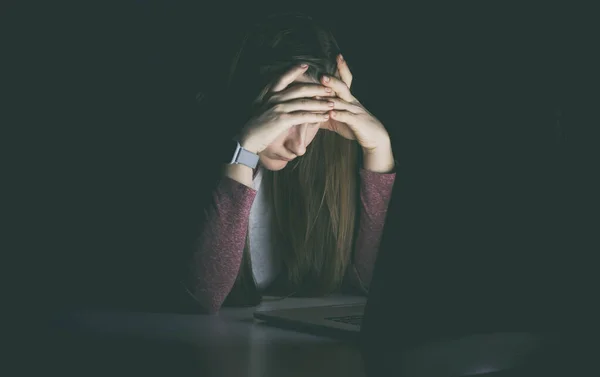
[(349, 118)]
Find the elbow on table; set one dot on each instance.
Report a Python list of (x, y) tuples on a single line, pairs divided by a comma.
[(212, 308), (359, 282), (209, 302)]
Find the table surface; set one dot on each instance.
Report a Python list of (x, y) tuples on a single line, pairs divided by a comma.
[(231, 343)]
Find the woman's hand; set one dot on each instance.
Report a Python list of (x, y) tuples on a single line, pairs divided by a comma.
[(285, 107), (349, 118)]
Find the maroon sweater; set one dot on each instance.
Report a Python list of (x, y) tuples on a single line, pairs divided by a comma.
[(219, 248)]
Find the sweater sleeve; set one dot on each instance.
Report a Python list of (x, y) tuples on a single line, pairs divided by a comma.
[(218, 253), (375, 194)]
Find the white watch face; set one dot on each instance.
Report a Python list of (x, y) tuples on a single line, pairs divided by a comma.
[(236, 154)]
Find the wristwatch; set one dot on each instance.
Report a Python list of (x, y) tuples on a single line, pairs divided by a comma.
[(244, 156)]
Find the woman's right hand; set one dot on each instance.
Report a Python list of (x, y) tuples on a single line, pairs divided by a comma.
[(286, 106)]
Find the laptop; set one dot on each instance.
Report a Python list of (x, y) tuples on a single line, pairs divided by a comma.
[(339, 321)]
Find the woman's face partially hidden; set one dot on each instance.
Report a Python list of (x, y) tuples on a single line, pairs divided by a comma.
[(290, 144)]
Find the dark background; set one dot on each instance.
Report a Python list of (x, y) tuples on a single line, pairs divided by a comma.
[(492, 110)]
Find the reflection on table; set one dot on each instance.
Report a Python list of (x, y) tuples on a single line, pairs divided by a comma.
[(231, 343)]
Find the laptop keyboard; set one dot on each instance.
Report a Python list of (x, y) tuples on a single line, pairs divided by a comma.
[(355, 320)]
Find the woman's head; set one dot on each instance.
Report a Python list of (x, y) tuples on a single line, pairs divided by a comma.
[(293, 143), (271, 48)]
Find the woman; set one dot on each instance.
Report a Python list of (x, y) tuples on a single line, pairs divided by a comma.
[(308, 219)]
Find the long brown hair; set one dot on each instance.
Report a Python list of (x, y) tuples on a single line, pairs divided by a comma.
[(315, 197)]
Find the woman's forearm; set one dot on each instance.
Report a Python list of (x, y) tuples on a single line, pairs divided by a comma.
[(240, 173), (380, 160), (375, 194), (217, 258)]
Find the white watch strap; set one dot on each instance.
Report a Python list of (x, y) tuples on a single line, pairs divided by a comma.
[(244, 157)]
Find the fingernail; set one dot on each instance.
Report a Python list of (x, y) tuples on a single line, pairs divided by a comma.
[(303, 65), (326, 116), (330, 104), (328, 90), (326, 78), (341, 58)]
